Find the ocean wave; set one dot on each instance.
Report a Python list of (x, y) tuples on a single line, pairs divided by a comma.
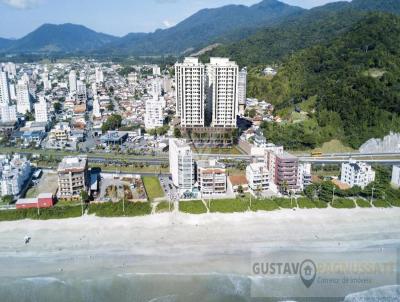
[(380, 294)]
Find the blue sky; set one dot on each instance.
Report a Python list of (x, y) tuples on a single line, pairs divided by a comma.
[(117, 17)]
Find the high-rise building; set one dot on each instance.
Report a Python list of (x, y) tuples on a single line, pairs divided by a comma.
[(156, 88), (156, 70), (72, 81), (72, 177), (4, 88), (222, 96), (13, 92), (181, 165), (242, 90), (357, 174), (99, 75), (14, 173), (190, 93), (284, 169), (96, 107), (8, 113), (153, 117), (11, 69), (24, 104), (81, 89), (46, 81), (41, 111)]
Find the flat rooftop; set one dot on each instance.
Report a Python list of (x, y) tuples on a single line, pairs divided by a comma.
[(72, 164)]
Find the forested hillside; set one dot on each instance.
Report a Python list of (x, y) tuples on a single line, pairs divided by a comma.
[(350, 87)]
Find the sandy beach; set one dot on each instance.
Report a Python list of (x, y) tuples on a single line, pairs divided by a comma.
[(176, 242)]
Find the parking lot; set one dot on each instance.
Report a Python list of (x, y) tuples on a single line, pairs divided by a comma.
[(170, 191)]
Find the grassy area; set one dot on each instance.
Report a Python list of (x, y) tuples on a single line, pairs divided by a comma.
[(362, 203), (192, 207), (285, 203), (320, 204), (342, 203), (264, 205), (335, 146), (153, 187), (44, 214), (32, 193), (116, 209), (381, 203), (163, 207), (305, 203), (229, 205), (395, 203)]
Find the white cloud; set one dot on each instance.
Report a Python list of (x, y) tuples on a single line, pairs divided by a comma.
[(22, 4), (167, 23)]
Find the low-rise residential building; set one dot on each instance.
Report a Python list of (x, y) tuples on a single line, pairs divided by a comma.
[(238, 184), (356, 173), (72, 177), (258, 177), (211, 178), (396, 177), (14, 173), (181, 165), (60, 132)]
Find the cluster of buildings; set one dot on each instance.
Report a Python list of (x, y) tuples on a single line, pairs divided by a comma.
[(208, 95), (278, 173)]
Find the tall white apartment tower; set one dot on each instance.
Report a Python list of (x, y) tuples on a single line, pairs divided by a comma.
[(41, 112), (72, 81), (96, 107), (24, 104), (242, 90), (190, 95), (4, 88), (8, 113), (153, 117), (222, 85), (181, 165), (99, 75)]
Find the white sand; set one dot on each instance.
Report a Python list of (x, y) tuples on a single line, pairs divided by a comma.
[(187, 243)]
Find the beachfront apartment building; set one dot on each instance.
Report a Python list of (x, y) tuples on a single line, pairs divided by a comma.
[(14, 173), (396, 177), (356, 173), (304, 176), (181, 165), (222, 95), (284, 169), (73, 177), (190, 93), (211, 178), (24, 103), (258, 177)]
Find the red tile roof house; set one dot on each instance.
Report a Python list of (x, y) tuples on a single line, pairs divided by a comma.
[(44, 200)]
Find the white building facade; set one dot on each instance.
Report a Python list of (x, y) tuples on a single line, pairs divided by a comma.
[(396, 177), (41, 111), (181, 165), (153, 117), (258, 177), (14, 172), (190, 93), (72, 81), (24, 104), (4, 88), (357, 174)]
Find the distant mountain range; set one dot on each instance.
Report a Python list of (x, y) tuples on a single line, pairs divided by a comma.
[(195, 32), (281, 28)]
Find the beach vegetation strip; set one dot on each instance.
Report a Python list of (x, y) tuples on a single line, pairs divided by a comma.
[(42, 214), (153, 187), (192, 207), (117, 209)]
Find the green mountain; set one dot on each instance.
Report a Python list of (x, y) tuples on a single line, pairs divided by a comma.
[(59, 38), (203, 27), (4, 43), (350, 87), (319, 25)]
